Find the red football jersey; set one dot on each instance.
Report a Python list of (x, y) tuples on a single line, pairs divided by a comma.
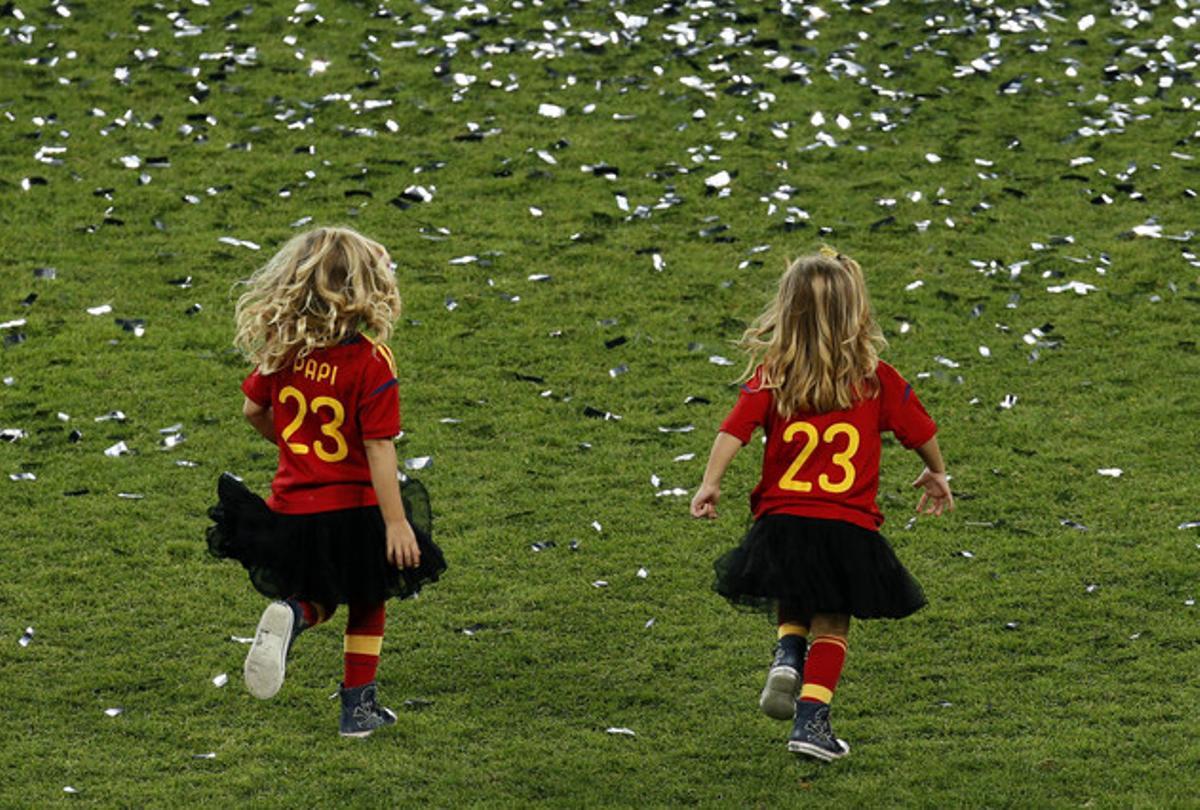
[(325, 406), (826, 465)]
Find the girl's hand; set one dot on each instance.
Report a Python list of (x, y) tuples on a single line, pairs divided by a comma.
[(937, 496), (704, 503), (402, 548)]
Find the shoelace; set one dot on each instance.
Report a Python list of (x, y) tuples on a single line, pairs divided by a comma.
[(367, 712), (819, 728)]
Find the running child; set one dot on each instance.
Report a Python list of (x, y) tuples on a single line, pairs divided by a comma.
[(823, 398), (338, 528)]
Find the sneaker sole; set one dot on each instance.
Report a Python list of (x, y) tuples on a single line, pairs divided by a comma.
[(816, 752), (778, 698), (266, 662)]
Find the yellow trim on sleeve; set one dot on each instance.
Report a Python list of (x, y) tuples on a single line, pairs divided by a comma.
[(384, 350)]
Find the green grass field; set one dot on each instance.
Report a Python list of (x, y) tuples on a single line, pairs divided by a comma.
[(983, 162)]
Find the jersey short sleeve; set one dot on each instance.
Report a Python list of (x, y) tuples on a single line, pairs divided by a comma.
[(901, 411), (379, 404), (257, 389), (750, 411)]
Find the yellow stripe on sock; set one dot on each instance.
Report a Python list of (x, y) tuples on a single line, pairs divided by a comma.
[(792, 629), (363, 645), (841, 642), (812, 691)]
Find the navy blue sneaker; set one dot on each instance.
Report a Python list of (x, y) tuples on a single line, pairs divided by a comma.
[(361, 714), (812, 735), (778, 698), (266, 663)]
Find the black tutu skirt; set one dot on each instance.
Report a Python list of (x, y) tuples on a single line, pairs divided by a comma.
[(332, 558), (817, 566)]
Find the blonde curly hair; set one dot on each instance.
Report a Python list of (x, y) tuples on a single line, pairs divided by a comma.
[(320, 289), (817, 342)]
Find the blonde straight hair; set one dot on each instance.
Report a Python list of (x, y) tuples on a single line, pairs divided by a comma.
[(817, 342), (320, 289)]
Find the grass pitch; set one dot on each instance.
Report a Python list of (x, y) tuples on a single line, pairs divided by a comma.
[(1019, 184)]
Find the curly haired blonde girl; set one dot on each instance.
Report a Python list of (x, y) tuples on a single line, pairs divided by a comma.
[(319, 290)]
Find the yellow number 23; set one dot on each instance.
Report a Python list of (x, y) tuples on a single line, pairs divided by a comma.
[(842, 458), (338, 417)]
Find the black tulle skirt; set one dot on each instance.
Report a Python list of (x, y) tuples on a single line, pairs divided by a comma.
[(817, 566), (332, 558)]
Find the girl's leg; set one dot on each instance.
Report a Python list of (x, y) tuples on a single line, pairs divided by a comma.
[(826, 656), (811, 733), (778, 698), (309, 614), (792, 622), (361, 713), (363, 642)]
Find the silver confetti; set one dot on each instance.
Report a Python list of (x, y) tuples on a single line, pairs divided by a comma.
[(719, 180), (229, 240)]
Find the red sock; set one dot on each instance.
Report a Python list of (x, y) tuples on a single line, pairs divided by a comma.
[(363, 642), (826, 656), (314, 613)]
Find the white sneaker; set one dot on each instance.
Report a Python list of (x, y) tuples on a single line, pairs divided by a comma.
[(267, 660), (778, 698)]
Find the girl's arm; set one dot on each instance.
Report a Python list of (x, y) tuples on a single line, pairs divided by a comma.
[(936, 496), (402, 549), (725, 447), (262, 419)]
